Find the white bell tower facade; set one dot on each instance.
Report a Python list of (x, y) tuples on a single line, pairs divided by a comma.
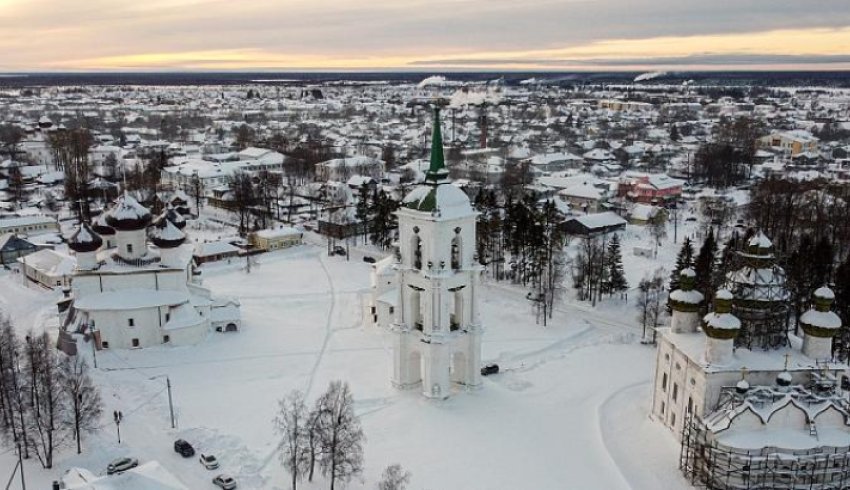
[(436, 325)]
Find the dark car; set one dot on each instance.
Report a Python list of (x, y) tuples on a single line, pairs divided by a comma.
[(184, 448), (489, 369), (121, 465), (369, 260), (339, 251)]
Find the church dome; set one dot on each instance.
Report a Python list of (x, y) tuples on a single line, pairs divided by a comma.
[(100, 226), (85, 240), (166, 235), (172, 215), (128, 215), (445, 200)]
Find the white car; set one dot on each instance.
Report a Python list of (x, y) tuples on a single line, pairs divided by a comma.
[(225, 482), (209, 461)]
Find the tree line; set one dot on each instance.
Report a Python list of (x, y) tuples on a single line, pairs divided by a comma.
[(521, 240), (47, 399)]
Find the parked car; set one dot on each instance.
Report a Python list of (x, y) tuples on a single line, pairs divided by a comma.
[(489, 369), (339, 251), (225, 482), (184, 448), (209, 461), (121, 465), (369, 260)]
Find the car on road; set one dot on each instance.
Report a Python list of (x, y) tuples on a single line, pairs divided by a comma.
[(121, 465), (225, 482), (489, 369), (184, 448), (369, 260), (338, 250), (209, 461)]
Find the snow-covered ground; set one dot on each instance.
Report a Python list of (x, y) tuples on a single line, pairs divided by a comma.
[(570, 409)]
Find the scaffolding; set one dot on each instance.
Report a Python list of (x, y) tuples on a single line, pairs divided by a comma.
[(761, 297), (708, 464)]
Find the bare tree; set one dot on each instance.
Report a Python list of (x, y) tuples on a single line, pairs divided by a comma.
[(83, 397), (394, 478), (292, 424), (340, 435), (44, 398), (12, 389), (651, 303)]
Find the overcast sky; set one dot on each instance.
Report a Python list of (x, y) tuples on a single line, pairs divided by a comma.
[(65, 35)]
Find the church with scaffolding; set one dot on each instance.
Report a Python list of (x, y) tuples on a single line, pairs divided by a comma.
[(752, 405)]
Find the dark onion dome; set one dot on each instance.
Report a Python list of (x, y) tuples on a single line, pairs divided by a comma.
[(101, 228), (165, 235), (128, 215), (172, 215), (85, 239)]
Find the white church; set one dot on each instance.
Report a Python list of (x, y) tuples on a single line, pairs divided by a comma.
[(138, 288), (752, 418), (427, 293)]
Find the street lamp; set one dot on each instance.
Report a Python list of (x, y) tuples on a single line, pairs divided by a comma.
[(117, 416), (170, 402)]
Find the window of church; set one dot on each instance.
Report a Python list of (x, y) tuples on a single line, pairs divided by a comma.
[(129, 248), (664, 382), (417, 252), (166, 339), (672, 419), (675, 391), (663, 406), (104, 345), (135, 342), (456, 253), (131, 322)]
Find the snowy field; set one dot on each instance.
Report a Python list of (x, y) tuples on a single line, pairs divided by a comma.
[(570, 409)]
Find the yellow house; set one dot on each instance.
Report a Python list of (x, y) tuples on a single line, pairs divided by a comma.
[(796, 142), (276, 238)]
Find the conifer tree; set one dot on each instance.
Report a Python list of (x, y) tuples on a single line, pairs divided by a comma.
[(616, 276), (841, 288), (684, 260), (704, 265)]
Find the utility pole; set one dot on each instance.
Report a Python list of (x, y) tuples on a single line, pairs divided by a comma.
[(170, 399), (170, 403), (93, 345)]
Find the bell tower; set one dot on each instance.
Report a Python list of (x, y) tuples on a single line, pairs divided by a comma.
[(437, 331)]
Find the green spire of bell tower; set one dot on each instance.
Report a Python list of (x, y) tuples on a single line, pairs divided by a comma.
[(437, 172)]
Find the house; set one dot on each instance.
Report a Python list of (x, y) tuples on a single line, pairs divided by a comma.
[(13, 247), (649, 188), (793, 142), (213, 251), (594, 224), (583, 196), (29, 225), (48, 268), (277, 238), (341, 169)]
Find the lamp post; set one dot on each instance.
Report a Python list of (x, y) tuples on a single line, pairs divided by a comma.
[(117, 416), (170, 400)]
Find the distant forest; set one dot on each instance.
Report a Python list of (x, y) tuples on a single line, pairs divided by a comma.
[(741, 78)]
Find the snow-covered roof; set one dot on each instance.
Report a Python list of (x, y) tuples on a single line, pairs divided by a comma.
[(283, 231), (600, 220), (445, 200)]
